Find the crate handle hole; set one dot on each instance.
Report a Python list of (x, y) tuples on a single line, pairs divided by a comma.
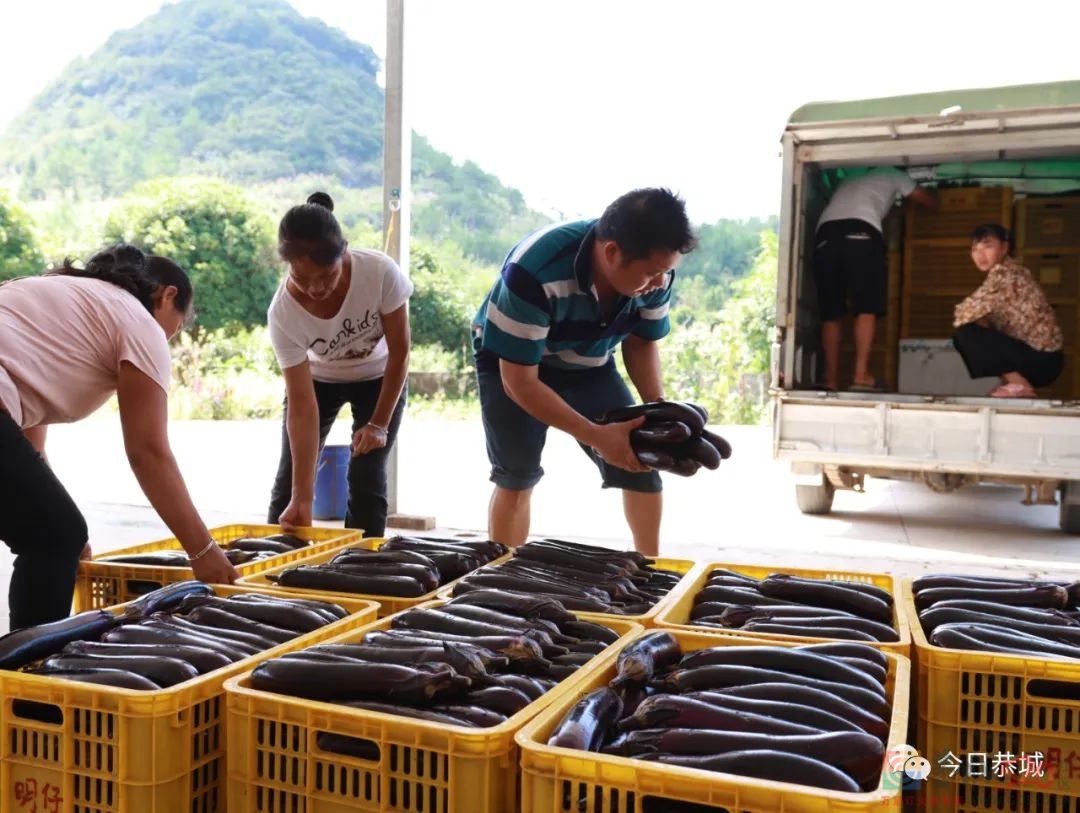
[(38, 712), (657, 804), (348, 746), (1054, 689), (140, 587)]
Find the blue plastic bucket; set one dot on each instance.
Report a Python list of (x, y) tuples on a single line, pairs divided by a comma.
[(331, 483)]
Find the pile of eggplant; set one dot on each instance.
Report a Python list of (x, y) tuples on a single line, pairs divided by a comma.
[(992, 614), (673, 438), (814, 715), (475, 661), (583, 578), (404, 567), (164, 638), (239, 552), (792, 605)]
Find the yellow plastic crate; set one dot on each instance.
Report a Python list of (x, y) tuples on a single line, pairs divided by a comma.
[(972, 703), (562, 780), (677, 614), (683, 566), (276, 766), (388, 604), (102, 584), (72, 747)]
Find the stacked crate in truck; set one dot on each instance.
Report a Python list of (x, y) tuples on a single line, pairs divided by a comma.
[(938, 274), (1047, 242), (883, 353)]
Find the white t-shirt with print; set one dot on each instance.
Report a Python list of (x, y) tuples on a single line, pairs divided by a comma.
[(350, 346), (868, 198)]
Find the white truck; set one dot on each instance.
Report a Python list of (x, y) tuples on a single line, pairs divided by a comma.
[(1024, 137)]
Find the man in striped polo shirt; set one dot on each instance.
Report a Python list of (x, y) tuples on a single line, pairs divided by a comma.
[(544, 340)]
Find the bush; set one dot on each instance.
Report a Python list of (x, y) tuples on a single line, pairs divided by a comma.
[(226, 376)]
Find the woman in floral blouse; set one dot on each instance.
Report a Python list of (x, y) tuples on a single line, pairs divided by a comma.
[(1007, 328)]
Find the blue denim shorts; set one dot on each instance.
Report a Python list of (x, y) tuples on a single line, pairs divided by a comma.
[(515, 439)]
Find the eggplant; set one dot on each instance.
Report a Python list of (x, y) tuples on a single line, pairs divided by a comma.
[(163, 636), (657, 436), (1033, 615), (811, 716), (26, 645), (117, 678), (295, 542), (700, 450), (667, 461), (260, 545), (769, 764), (809, 631), (464, 661), (778, 616), (709, 678), (649, 655), (242, 643), (225, 620), (823, 593), (530, 687), (684, 711), (426, 576), (858, 754), (473, 715), (961, 636), (333, 612), (936, 580), (297, 676), (504, 700), (513, 647), (783, 659), (785, 692), (525, 605), (165, 672), (163, 558), (280, 614), (316, 577), (352, 746), (202, 658), (1049, 596), (588, 631), (846, 650), (657, 412), (166, 599), (587, 723), (721, 445)]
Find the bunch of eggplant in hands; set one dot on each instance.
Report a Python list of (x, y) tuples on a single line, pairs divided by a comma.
[(673, 438), (816, 715), (999, 614), (474, 661)]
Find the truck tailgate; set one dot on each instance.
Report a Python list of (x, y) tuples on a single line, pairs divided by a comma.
[(1006, 437)]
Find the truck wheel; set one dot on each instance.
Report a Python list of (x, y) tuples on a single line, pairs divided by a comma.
[(815, 499), (1069, 515)]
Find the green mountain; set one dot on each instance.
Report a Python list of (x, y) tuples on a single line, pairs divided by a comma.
[(252, 92)]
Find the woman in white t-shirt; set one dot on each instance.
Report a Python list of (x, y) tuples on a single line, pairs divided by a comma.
[(69, 339), (339, 323)]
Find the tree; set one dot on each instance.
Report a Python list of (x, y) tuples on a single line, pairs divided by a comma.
[(19, 252), (216, 234), (722, 364)]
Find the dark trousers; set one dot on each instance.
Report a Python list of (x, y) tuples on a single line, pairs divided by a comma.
[(43, 527), (988, 352), (367, 506)]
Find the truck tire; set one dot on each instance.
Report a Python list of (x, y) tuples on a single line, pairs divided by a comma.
[(1069, 513), (815, 499)]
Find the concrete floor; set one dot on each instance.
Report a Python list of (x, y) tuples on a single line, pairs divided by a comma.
[(743, 513)]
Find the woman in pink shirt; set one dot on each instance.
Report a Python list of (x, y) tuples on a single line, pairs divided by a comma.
[(69, 339)]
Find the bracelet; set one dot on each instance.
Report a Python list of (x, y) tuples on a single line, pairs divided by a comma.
[(381, 428), (209, 545)]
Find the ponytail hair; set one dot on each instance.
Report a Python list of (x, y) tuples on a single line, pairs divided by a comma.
[(141, 275), (310, 231)]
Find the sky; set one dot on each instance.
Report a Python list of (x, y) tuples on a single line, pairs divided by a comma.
[(576, 101)]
